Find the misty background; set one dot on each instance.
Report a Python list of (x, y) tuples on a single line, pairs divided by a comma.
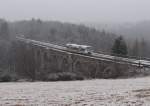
[(66, 20), (126, 17), (77, 10)]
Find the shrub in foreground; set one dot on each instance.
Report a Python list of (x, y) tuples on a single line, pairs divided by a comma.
[(8, 77), (64, 76)]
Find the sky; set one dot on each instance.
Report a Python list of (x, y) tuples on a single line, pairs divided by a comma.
[(76, 10)]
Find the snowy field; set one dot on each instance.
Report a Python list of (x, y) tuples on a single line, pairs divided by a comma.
[(120, 92)]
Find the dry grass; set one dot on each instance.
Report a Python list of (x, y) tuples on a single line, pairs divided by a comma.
[(121, 92)]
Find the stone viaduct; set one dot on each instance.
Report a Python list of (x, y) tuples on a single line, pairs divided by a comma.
[(38, 60)]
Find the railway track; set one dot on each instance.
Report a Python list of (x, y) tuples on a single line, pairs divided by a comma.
[(116, 59)]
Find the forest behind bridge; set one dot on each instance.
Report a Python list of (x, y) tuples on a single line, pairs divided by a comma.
[(61, 33)]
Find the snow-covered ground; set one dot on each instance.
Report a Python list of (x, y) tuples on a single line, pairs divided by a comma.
[(119, 92)]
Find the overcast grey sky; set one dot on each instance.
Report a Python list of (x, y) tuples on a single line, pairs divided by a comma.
[(76, 10)]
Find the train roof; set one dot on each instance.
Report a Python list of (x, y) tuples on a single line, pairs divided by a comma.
[(77, 46)]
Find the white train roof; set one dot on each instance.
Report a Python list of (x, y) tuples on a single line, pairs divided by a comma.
[(77, 46)]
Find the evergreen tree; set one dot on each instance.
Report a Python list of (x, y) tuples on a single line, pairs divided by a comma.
[(119, 47), (4, 31), (136, 48), (144, 48)]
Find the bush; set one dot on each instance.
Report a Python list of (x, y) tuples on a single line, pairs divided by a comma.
[(52, 77), (8, 77), (64, 76), (5, 78)]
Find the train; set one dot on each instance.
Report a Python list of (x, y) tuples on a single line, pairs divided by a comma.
[(83, 49)]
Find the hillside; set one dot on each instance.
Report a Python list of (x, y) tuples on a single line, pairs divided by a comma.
[(62, 33), (129, 30)]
